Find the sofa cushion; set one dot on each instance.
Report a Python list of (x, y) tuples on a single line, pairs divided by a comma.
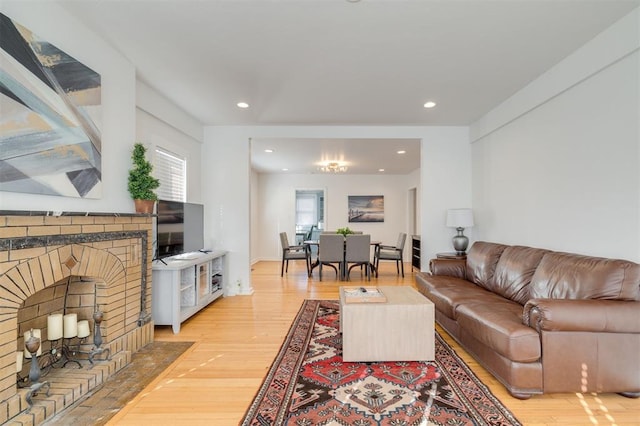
[(513, 273), (498, 324), (482, 260), (572, 276), (447, 293)]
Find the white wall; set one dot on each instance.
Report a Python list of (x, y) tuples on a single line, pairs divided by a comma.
[(276, 206), (254, 215), (562, 171), (227, 173), (155, 104), (54, 24), (444, 182)]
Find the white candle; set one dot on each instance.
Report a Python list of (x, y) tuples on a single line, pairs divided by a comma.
[(54, 326), (19, 357), (83, 329), (27, 336), (70, 326)]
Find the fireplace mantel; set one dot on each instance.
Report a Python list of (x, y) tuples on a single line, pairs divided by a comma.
[(55, 213)]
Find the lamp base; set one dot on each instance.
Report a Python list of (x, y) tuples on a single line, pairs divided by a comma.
[(460, 242)]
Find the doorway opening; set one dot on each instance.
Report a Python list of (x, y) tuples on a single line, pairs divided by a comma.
[(412, 210), (310, 210)]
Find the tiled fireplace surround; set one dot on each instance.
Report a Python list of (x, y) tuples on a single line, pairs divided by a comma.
[(71, 263)]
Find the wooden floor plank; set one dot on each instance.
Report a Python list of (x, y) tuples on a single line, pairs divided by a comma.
[(236, 339)]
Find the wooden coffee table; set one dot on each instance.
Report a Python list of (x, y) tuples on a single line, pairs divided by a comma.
[(400, 329)]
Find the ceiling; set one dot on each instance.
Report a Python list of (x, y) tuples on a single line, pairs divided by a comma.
[(339, 62), (360, 156)]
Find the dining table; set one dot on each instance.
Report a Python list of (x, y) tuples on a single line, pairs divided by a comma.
[(316, 243)]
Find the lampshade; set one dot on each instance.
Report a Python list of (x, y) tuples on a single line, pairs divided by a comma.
[(459, 218)]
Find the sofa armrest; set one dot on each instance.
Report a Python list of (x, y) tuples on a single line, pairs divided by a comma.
[(450, 267), (609, 316)]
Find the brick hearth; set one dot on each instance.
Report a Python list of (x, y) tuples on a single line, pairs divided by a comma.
[(72, 263)]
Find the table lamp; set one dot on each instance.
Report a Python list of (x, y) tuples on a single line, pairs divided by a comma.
[(460, 219)]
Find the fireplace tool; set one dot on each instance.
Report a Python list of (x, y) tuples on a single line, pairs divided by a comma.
[(32, 345), (97, 339)]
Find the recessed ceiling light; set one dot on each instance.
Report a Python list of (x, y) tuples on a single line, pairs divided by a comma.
[(402, 151), (242, 105), (285, 170), (269, 150), (381, 170), (429, 104)]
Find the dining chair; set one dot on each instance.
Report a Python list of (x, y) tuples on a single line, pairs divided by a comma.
[(313, 235), (386, 252), (293, 253), (358, 253), (330, 251), (309, 235)]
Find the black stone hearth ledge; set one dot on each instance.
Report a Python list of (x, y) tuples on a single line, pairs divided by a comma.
[(56, 213)]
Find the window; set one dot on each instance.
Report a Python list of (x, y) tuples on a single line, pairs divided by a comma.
[(309, 208), (306, 210), (309, 214), (171, 170)]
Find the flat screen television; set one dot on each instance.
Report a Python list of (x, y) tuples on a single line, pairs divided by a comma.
[(179, 228), (170, 228)]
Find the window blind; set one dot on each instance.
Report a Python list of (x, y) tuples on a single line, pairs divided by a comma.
[(306, 209), (171, 170)]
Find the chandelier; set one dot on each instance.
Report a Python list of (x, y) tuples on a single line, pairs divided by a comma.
[(333, 168)]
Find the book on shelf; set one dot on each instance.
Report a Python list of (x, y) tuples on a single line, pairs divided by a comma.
[(363, 295)]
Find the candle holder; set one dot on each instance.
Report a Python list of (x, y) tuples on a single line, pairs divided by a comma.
[(32, 345), (65, 352), (97, 339)]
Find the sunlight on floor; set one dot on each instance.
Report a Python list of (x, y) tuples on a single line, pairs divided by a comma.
[(585, 404)]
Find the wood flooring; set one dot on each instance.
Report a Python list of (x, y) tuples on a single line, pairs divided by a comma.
[(236, 339)]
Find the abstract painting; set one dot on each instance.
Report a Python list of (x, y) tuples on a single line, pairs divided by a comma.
[(366, 208), (50, 139)]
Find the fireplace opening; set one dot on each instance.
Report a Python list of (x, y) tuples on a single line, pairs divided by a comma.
[(62, 316)]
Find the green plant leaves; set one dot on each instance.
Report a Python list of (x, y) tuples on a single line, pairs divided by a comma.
[(141, 183)]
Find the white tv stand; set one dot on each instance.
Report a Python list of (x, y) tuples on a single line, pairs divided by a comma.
[(184, 284)]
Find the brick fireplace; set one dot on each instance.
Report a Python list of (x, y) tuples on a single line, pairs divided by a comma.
[(71, 263)]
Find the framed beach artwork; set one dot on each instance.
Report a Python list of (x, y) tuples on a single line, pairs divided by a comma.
[(50, 140), (366, 208)]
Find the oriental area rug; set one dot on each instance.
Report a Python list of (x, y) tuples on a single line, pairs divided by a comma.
[(309, 384)]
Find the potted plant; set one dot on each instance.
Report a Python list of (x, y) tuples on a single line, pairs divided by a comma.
[(344, 231), (141, 182)]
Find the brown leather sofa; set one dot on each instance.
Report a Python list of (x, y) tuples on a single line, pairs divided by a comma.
[(542, 321)]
